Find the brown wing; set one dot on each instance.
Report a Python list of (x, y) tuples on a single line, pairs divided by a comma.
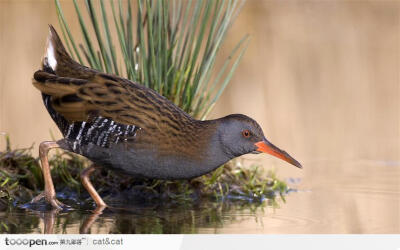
[(123, 101)]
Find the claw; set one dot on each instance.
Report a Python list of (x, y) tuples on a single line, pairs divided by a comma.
[(56, 204)]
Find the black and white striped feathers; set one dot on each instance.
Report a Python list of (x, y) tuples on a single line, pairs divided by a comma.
[(101, 132)]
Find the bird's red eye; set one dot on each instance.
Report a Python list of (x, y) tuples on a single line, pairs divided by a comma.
[(246, 133)]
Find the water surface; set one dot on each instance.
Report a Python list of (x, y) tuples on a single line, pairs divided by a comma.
[(358, 202)]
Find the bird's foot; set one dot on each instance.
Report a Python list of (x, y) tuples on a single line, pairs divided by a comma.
[(51, 199)]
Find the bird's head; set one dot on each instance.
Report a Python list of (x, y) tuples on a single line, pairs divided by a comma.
[(239, 135)]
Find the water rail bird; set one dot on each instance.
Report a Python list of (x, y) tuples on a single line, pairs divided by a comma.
[(126, 127)]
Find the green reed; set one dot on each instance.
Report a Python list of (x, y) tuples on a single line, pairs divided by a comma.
[(169, 46)]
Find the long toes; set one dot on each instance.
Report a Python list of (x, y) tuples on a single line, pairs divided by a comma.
[(51, 200), (62, 205), (56, 204), (38, 198)]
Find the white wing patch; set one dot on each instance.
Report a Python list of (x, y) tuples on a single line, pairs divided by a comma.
[(50, 54)]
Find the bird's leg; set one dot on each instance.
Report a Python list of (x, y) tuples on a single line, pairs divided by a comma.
[(49, 192), (89, 187)]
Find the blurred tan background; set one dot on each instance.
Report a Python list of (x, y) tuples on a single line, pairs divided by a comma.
[(321, 77), (315, 73)]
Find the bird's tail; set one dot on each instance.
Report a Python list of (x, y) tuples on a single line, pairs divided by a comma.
[(55, 56), (57, 61)]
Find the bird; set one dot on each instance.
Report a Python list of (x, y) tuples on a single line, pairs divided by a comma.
[(126, 127)]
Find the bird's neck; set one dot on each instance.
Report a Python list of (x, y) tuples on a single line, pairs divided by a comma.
[(209, 138)]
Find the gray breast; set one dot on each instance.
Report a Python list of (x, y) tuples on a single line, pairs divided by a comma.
[(147, 163)]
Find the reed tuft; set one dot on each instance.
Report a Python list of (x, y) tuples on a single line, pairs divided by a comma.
[(169, 46)]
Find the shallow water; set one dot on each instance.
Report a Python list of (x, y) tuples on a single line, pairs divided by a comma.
[(208, 216), (357, 202)]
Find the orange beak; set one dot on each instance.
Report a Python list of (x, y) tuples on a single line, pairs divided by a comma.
[(269, 148)]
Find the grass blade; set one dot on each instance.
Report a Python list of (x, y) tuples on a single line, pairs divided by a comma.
[(64, 24), (175, 49)]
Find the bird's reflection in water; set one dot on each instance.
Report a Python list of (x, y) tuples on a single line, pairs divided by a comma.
[(87, 224), (149, 218), (49, 221)]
